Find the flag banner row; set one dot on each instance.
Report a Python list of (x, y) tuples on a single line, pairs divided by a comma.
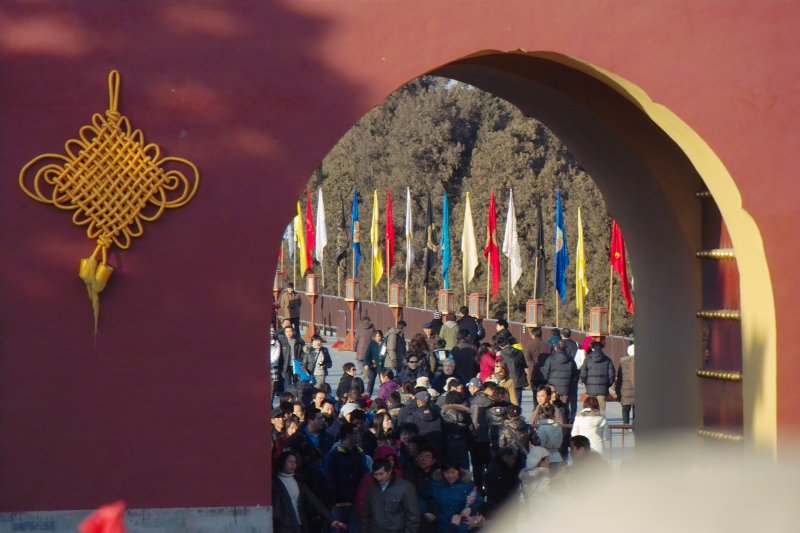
[(307, 238)]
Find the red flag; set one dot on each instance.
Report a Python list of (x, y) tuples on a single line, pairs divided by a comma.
[(310, 238), (618, 263), (389, 235), (107, 519), (492, 252)]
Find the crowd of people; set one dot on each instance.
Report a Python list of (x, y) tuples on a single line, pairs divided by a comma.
[(427, 434)]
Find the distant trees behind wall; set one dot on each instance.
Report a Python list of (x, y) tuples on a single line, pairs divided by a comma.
[(435, 136)]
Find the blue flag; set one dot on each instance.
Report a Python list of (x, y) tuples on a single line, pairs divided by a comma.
[(445, 243), (562, 256), (354, 234)]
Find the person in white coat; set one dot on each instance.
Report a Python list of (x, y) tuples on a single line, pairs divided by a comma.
[(592, 424)]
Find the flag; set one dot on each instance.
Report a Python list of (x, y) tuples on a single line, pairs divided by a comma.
[(288, 236), (541, 286), (109, 518), (310, 238), (354, 235), (511, 243), (389, 236), (299, 234), (445, 243), (469, 246), (342, 240), (409, 232), (618, 263), (562, 255), (491, 252), (375, 242), (581, 285), (431, 244), (321, 230)]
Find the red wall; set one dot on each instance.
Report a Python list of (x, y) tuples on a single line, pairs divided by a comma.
[(167, 407)]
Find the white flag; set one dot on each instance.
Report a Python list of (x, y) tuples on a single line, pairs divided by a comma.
[(469, 246), (320, 231), (409, 232), (511, 243), (288, 236)]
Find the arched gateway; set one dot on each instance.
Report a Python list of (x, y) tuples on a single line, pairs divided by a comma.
[(167, 406)]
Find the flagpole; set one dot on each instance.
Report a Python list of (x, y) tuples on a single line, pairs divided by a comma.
[(294, 268), (338, 281), (425, 297), (508, 292), (323, 272), (535, 275), (488, 277), (372, 275), (610, 293), (388, 275), (557, 309)]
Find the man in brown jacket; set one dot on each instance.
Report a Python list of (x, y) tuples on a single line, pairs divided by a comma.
[(535, 356), (290, 303)]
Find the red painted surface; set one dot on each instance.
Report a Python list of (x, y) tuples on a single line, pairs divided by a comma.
[(168, 408)]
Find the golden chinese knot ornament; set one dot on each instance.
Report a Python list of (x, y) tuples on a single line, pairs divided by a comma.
[(112, 181)]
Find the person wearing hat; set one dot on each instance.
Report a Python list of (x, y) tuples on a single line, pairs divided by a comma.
[(290, 303), (430, 337), (535, 477), (429, 421)]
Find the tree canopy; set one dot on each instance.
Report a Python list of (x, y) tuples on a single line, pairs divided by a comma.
[(438, 136)]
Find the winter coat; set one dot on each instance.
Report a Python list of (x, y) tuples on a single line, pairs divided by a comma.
[(440, 380), (515, 361), (345, 384), (496, 416), (373, 357), (597, 373), (502, 482), (594, 426), (465, 356), (429, 422), (626, 384), (507, 384), (516, 433), (479, 406), (486, 366), (393, 510), (395, 349), (551, 436), (343, 470), (290, 305), (449, 333), (408, 374), (535, 482), (469, 323), (571, 348), (284, 519), (535, 356), (317, 361), (288, 355), (457, 426), (302, 443), (444, 499), (386, 388), (363, 336), (560, 371), (381, 452)]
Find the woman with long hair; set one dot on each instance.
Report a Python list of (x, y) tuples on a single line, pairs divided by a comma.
[(592, 424), (501, 377), (383, 428)]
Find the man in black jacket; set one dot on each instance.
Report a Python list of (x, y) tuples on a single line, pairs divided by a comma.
[(480, 451), (344, 467), (470, 324), (598, 374), (291, 349), (560, 371), (514, 360)]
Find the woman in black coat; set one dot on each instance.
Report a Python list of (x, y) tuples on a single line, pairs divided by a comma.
[(288, 494)]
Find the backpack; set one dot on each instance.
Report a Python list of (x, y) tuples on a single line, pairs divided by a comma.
[(480, 333)]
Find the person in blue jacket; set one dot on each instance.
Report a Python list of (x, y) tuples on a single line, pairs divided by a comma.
[(451, 491)]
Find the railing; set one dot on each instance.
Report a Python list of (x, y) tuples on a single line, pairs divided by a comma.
[(332, 317)]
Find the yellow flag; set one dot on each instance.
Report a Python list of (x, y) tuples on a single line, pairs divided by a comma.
[(300, 235), (581, 285), (375, 240)]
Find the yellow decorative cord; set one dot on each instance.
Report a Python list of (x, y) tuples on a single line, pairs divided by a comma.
[(109, 177)]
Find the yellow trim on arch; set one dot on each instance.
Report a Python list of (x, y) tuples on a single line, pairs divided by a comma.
[(758, 316)]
